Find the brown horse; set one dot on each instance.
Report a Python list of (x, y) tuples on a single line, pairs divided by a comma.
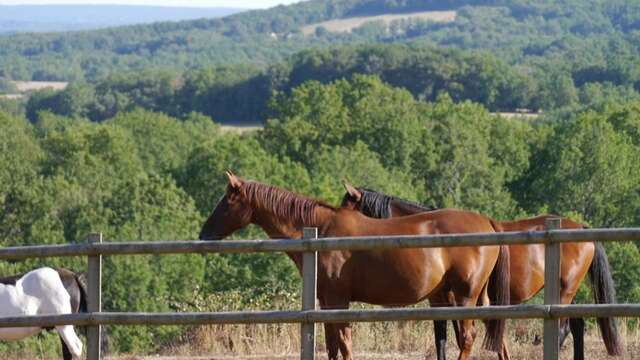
[(527, 265), (382, 277)]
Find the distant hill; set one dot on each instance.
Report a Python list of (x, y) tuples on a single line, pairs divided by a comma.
[(55, 18), (592, 33)]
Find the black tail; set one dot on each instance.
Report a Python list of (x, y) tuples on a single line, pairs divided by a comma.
[(605, 293), (81, 281), (83, 292), (499, 294)]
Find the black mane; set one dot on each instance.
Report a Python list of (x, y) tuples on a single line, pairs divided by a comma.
[(376, 204)]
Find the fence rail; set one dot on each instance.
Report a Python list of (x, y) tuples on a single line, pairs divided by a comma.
[(309, 316), (324, 244), (328, 316)]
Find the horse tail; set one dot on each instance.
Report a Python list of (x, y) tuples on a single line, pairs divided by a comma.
[(83, 292), (605, 293), (499, 294)]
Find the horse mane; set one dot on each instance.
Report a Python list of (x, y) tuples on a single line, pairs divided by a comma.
[(283, 203), (376, 204)]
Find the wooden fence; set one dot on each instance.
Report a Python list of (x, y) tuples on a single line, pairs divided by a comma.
[(94, 249)]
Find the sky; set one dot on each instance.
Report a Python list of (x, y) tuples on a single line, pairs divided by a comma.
[(248, 4)]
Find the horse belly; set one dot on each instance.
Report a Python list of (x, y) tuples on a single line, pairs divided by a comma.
[(397, 277), (527, 271), (14, 303), (12, 334)]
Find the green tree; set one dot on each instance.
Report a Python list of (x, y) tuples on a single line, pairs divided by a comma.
[(163, 143), (589, 167), (342, 113), (361, 167), (7, 87), (455, 159), (203, 175), (150, 209)]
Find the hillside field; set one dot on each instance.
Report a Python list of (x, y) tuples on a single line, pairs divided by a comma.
[(347, 25)]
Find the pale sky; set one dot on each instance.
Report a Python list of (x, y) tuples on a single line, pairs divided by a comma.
[(249, 4)]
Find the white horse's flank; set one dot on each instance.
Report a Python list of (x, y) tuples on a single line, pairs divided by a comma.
[(39, 292)]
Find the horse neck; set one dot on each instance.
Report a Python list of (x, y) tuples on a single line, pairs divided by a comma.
[(278, 227)]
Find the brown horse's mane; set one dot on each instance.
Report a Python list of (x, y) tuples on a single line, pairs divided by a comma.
[(283, 203)]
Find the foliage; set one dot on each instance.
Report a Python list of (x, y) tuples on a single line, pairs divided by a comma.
[(141, 176), (7, 87), (549, 50), (590, 167)]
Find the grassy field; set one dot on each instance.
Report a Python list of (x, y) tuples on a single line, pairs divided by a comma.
[(392, 340), (346, 25), (26, 86), (240, 129)]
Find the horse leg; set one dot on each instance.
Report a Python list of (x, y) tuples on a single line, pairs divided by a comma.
[(66, 354), (455, 323), (576, 327), (467, 337), (467, 329), (331, 341), (466, 293), (72, 340), (577, 331), (440, 332), (568, 290), (564, 331), (344, 341), (440, 327), (504, 355), (337, 336)]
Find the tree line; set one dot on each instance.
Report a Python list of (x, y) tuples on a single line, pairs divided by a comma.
[(241, 93), (141, 175)]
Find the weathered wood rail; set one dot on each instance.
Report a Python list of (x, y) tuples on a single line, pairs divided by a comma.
[(551, 312)]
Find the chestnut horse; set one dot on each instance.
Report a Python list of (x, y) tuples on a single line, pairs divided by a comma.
[(527, 266), (382, 277)]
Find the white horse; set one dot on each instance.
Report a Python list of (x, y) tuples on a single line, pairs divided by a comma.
[(39, 292)]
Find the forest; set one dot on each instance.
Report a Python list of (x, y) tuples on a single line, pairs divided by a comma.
[(523, 32), (240, 94), (134, 146), (143, 175)]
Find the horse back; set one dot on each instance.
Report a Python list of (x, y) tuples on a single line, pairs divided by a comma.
[(537, 223), (452, 221)]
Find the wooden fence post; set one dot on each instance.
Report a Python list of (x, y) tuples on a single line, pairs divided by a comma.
[(94, 299), (552, 253), (309, 289)]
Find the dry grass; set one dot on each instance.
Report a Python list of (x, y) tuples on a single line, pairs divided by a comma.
[(239, 129), (517, 115), (346, 25), (404, 340), (26, 86), (11, 96)]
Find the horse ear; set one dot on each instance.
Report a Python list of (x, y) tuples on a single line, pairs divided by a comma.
[(353, 192), (234, 181)]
